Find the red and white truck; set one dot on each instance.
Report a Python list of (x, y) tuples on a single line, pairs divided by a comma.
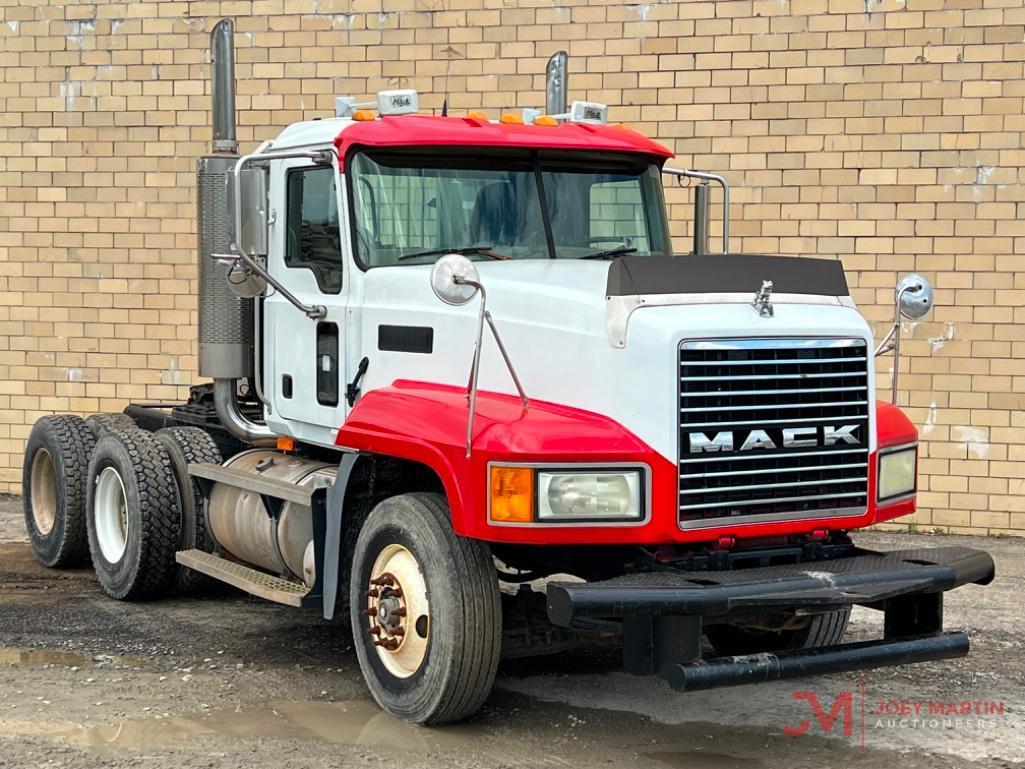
[(465, 396)]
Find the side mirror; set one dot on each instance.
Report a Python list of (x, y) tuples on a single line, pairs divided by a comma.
[(253, 188), (454, 279), (912, 300), (914, 296)]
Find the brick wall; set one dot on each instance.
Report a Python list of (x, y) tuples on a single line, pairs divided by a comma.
[(887, 134)]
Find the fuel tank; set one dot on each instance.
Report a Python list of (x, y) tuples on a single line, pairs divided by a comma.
[(242, 526)]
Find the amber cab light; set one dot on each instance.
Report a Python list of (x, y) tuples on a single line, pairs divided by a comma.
[(512, 494)]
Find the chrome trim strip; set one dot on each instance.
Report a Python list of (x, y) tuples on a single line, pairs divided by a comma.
[(734, 377), (832, 513), (777, 455), (788, 485), (719, 393), (770, 362), (775, 422), (773, 343), (775, 406), (773, 501), (774, 470)]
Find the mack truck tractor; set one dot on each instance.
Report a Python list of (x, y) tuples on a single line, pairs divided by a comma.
[(463, 395)]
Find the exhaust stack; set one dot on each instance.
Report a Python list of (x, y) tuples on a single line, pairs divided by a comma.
[(222, 62), (226, 331), (557, 84)]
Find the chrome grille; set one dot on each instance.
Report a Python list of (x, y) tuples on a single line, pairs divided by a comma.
[(772, 429)]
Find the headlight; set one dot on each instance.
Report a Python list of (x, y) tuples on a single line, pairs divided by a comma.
[(897, 471), (581, 495)]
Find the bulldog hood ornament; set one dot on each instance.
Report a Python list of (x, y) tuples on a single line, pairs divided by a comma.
[(763, 300)]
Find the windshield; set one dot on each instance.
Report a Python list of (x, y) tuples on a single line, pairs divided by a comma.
[(409, 209)]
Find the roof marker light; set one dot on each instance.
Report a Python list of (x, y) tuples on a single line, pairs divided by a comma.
[(477, 116), (510, 118), (402, 101), (588, 112), (362, 115), (545, 120)]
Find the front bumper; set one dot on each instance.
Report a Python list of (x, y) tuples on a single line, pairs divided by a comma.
[(663, 612)]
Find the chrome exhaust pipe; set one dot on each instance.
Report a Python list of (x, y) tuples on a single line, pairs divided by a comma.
[(222, 88), (557, 84), (234, 421)]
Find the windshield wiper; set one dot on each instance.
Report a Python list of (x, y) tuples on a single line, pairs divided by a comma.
[(482, 250), (610, 253)]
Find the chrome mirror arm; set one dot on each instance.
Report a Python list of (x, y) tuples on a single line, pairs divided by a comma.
[(471, 388)]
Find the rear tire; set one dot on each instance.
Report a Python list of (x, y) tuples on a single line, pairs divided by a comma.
[(133, 515), (442, 665), (185, 446), (822, 630), (103, 423), (54, 478)]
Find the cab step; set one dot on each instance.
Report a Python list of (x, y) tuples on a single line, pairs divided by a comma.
[(252, 581)]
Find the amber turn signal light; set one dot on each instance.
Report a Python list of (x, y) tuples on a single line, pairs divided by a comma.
[(512, 494)]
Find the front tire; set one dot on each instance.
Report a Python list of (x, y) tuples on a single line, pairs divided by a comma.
[(425, 611), (133, 515)]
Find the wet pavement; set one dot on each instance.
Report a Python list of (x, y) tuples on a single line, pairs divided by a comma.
[(226, 680)]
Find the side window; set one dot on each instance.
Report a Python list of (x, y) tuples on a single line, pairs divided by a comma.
[(312, 238), (617, 215)]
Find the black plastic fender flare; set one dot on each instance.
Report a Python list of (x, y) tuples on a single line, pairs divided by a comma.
[(333, 533)]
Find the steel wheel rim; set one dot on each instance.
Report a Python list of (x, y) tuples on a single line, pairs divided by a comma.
[(43, 492), (398, 613), (110, 512)]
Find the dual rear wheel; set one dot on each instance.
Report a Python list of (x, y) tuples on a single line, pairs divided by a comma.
[(101, 488)]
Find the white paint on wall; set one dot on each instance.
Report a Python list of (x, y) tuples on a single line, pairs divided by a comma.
[(939, 342), (974, 440), (930, 420)]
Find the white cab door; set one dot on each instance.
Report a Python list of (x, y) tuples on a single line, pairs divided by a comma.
[(304, 369)]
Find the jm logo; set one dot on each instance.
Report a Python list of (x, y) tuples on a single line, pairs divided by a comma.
[(791, 438), (843, 705)]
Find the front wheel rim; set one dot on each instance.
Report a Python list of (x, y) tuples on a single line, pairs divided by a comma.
[(398, 613), (110, 512)]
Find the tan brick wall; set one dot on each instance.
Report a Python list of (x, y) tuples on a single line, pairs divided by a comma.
[(888, 134)]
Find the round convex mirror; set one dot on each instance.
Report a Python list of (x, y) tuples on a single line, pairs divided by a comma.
[(448, 279), (914, 296)]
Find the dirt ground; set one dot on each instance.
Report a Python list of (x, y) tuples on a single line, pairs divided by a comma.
[(230, 681)]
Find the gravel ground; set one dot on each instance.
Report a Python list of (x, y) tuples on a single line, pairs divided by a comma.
[(226, 681)]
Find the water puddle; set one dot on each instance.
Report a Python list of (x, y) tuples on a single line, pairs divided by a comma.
[(12, 656), (348, 723)]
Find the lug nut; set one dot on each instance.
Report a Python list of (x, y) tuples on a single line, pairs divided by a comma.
[(372, 593), (375, 630), (370, 612), (398, 631), (399, 612)]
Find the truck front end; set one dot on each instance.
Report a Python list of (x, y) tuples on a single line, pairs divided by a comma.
[(691, 437)]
